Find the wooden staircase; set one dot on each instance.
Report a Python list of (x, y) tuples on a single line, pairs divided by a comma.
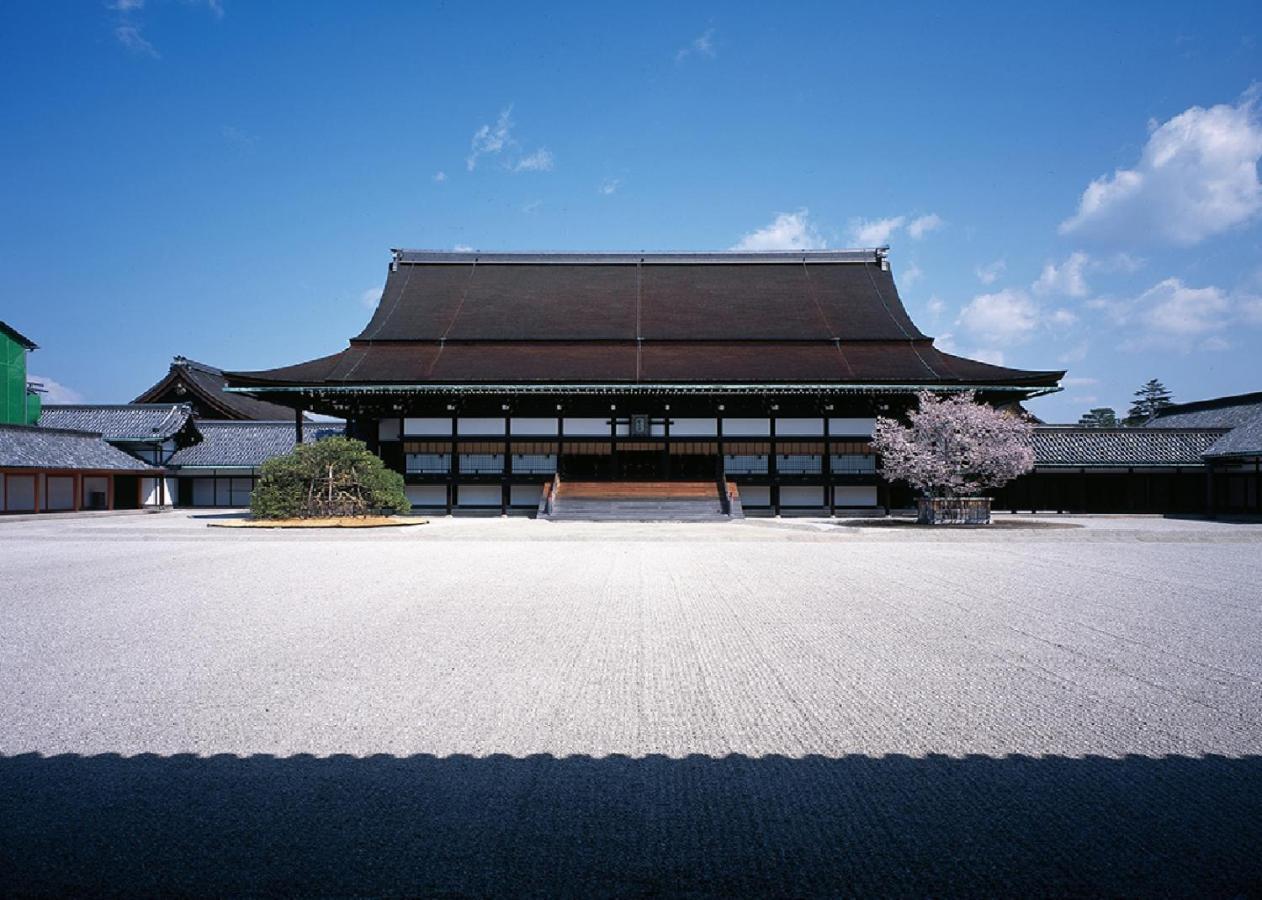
[(641, 501)]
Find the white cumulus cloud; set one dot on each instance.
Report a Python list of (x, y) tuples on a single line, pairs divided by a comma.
[(1068, 278), (922, 225), (1006, 316), (911, 275), (55, 391), (1172, 308), (1197, 176), (874, 232), (788, 231)]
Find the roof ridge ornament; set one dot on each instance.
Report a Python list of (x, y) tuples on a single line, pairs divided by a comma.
[(877, 255)]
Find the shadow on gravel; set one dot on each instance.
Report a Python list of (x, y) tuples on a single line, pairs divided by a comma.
[(996, 524), (584, 826)]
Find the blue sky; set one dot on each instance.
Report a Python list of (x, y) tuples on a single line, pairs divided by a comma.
[(1073, 187)]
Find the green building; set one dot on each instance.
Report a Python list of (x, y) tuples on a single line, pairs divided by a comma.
[(19, 405)]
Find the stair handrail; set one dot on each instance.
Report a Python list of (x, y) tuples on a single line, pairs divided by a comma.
[(551, 492)]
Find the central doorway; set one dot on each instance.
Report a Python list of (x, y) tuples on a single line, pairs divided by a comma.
[(640, 465)]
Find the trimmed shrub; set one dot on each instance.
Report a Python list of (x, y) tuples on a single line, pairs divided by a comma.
[(336, 476)]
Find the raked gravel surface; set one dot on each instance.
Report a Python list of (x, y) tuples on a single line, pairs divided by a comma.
[(477, 707)]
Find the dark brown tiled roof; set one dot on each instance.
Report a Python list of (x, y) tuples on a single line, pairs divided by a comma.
[(805, 317), (717, 301), (203, 385)]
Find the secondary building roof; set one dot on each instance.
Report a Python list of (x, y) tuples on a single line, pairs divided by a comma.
[(1058, 446), (123, 422), (229, 444), (37, 447), (202, 386), (1240, 413), (498, 319)]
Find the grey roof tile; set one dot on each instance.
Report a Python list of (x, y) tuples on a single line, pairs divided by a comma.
[(1243, 440), (1121, 447), (228, 443), (120, 421), (35, 447)]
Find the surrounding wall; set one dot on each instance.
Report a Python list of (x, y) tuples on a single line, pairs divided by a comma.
[(63, 491)]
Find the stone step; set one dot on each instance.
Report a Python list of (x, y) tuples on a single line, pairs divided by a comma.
[(639, 501)]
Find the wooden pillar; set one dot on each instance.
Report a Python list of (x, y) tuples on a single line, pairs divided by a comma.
[(39, 479), (78, 491), (109, 491), (613, 442), (297, 427), (560, 438), (453, 463), (827, 468), (1209, 491), (506, 472), (666, 441), (773, 470)]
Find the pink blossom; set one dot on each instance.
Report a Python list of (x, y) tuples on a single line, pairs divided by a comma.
[(954, 446)]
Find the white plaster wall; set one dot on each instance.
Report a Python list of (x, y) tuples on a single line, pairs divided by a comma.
[(854, 495), (801, 495), (149, 490), (530, 425), (746, 427), (427, 426), (586, 427), (427, 495), (850, 427), (388, 429), (799, 427), (478, 495), (480, 424), (686, 427)]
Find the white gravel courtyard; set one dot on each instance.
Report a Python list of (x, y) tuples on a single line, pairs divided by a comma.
[(515, 706)]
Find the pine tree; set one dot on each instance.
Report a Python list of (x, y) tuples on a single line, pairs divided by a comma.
[(1099, 417), (1148, 399)]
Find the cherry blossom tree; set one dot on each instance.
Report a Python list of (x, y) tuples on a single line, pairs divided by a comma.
[(954, 446)]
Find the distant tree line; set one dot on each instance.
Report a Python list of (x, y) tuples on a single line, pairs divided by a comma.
[(1151, 397)]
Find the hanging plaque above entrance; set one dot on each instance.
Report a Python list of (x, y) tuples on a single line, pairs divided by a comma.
[(639, 426)]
